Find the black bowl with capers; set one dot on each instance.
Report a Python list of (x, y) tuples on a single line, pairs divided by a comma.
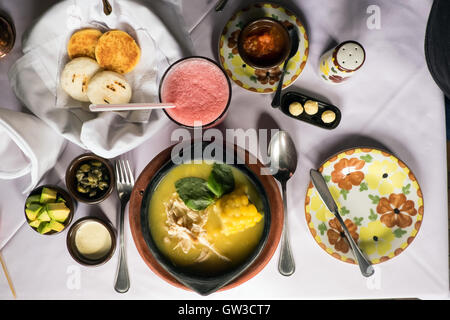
[(90, 178)]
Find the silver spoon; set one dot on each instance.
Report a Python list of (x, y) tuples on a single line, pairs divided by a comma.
[(283, 162), (293, 36), (321, 186)]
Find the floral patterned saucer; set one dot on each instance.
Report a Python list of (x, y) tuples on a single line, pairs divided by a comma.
[(256, 80), (379, 199)]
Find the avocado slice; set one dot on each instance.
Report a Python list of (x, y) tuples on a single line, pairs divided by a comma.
[(35, 223), (43, 216), (61, 199), (43, 228), (58, 211), (55, 225), (36, 198), (33, 210), (48, 195)]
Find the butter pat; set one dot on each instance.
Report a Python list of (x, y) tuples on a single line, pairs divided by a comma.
[(295, 108)]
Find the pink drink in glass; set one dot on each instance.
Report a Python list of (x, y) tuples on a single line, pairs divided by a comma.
[(200, 91)]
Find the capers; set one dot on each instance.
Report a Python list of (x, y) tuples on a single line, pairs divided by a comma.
[(92, 177), (96, 163), (82, 189), (102, 185), (85, 168)]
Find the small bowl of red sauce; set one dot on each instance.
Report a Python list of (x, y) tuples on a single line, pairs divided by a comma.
[(200, 90), (264, 43)]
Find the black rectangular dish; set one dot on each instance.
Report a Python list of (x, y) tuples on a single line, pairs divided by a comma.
[(321, 117)]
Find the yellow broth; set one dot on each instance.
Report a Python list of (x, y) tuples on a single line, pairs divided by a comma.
[(237, 247)]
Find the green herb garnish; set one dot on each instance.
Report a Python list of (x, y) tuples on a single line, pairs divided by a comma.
[(198, 193), (221, 180), (194, 193)]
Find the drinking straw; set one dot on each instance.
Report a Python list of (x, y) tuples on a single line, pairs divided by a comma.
[(129, 106)]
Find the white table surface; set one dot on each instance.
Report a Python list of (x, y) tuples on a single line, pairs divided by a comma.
[(394, 103)]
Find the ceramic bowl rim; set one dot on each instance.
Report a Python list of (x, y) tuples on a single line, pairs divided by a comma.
[(71, 246), (6, 19), (66, 196), (284, 54), (70, 174), (165, 262)]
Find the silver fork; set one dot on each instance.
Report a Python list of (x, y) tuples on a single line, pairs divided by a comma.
[(124, 183)]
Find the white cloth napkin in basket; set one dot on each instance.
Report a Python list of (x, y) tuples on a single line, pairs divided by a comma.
[(35, 76)]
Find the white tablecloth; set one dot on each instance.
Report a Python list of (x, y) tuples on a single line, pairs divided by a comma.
[(394, 103)]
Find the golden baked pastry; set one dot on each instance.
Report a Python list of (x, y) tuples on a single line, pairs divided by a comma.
[(117, 51), (83, 42)]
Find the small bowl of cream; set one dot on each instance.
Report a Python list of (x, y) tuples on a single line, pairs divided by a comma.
[(91, 241)]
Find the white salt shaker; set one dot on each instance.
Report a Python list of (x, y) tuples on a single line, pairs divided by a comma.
[(341, 62)]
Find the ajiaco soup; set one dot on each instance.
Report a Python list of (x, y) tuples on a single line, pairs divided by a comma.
[(206, 217)]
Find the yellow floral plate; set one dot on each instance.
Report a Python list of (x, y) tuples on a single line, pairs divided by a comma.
[(256, 80), (379, 199)]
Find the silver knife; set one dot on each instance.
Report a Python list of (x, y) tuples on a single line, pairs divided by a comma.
[(220, 5), (322, 188)]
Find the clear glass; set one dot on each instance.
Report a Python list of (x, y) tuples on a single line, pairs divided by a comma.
[(7, 35), (220, 117)]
